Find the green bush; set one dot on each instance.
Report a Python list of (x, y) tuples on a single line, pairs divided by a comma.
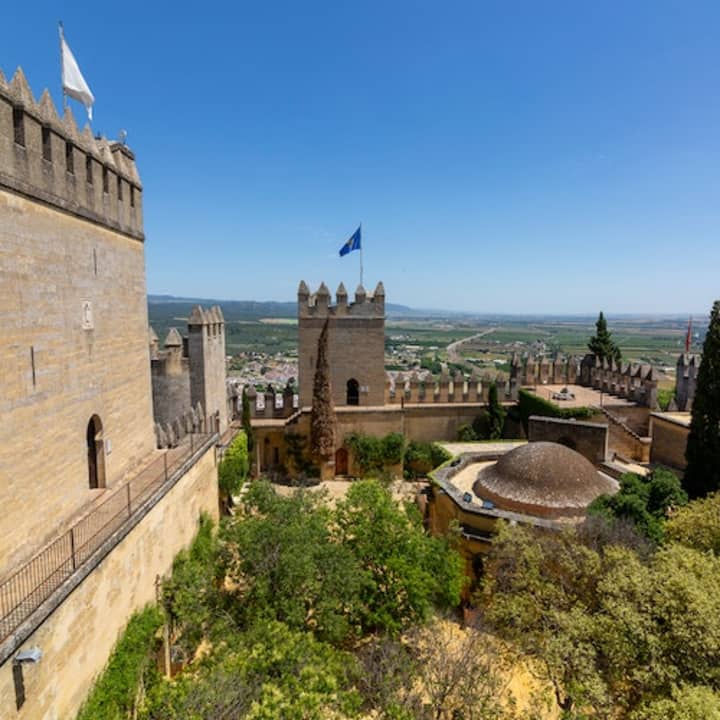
[(234, 466), (114, 695), (664, 397), (373, 455), (643, 500), (422, 457)]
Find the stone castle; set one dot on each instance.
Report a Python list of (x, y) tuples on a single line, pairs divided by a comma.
[(93, 512), (188, 375)]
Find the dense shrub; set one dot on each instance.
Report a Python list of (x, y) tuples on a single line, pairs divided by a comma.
[(422, 457), (374, 456), (643, 500), (132, 662)]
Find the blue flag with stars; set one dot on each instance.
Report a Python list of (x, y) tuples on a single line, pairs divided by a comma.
[(352, 244)]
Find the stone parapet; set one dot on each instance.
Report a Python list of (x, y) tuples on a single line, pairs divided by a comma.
[(48, 159)]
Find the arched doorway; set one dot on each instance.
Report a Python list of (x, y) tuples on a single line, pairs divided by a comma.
[(341, 461), (95, 453), (353, 392)]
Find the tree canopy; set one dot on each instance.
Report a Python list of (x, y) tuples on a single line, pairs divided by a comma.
[(703, 446), (616, 635), (601, 344), (645, 501)]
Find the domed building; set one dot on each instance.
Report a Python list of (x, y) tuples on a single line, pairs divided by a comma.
[(542, 479), (544, 484)]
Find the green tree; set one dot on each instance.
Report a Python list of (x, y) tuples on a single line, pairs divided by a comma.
[(703, 446), (489, 424), (611, 631), (322, 416), (270, 672), (283, 557), (233, 468), (601, 344), (645, 501), (246, 421), (131, 665), (690, 702), (697, 525), (405, 572), (422, 457), (190, 596)]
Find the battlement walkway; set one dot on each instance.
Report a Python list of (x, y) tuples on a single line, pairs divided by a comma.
[(36, 588)]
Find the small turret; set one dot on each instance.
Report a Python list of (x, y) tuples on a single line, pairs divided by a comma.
[(173, 339), (341, 295), (360, 294), (303, 292), (322, 296), (379, 296), (197, 316)]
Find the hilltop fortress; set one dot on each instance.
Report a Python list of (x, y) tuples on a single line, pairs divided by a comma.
[(92, 511)]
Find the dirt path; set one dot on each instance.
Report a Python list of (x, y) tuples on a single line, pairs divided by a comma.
[(453, 349)]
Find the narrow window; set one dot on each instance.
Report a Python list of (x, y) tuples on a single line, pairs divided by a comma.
[(88, 170), (46, 144), (69, 158), (95, 260), (106, 181), (32, 364), (132, 196), (119, 187), (19, 126)]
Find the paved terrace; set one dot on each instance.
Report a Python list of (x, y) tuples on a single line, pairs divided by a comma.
[(584, 396)]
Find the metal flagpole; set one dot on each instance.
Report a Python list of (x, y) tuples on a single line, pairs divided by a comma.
[(62, 65), (361, 257)]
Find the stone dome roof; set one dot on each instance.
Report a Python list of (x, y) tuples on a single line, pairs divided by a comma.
[(542, 478)]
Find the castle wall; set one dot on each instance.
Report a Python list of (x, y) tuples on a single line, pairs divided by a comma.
[(589, 439), (431, 422), (669, 433), (170, 387), (78, 637), (55, 374)]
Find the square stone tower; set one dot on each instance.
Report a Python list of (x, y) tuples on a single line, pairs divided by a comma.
[(206, 355), (75, 400), (356, 344)]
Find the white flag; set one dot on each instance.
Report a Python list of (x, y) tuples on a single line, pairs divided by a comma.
[(73, 82)]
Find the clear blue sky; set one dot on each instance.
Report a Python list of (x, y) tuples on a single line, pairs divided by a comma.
[(558, 157)]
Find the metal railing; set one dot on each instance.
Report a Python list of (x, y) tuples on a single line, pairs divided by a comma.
[(32, 584)]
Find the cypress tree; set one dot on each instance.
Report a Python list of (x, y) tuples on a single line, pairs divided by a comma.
[(601, 344), (322, 416), (703, 446), (246, 422)]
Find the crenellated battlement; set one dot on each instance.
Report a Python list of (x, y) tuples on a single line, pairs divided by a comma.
[(319, 304), (47, 158), (189, 373)]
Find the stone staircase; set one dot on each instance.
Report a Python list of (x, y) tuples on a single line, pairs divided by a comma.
[(624, 440)]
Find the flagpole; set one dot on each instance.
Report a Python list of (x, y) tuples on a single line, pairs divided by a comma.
[(361, 257), (62, 65)]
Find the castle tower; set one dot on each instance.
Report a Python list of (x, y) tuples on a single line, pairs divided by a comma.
[(356, 344), (75, 398), (206, 354)]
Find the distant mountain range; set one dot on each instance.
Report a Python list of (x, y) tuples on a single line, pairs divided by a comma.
[(171, 306), (252, 309)]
